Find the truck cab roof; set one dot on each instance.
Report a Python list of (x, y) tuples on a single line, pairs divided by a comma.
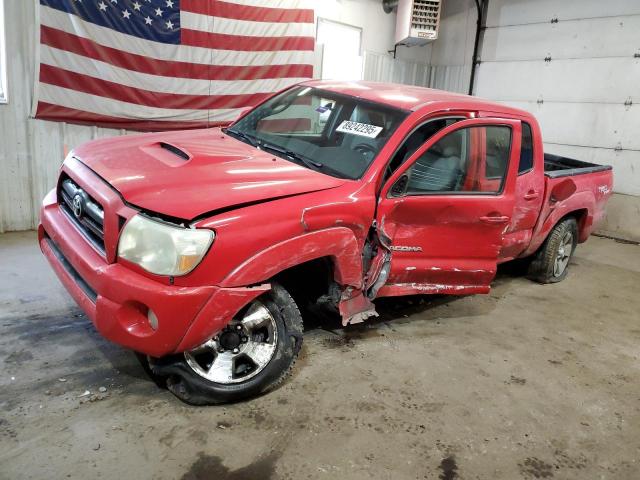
[(411, 98)]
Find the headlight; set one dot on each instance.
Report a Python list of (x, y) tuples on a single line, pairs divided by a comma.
[(163, 249)]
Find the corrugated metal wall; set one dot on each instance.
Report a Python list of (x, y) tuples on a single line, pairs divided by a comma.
[(444, 64), (450, 57), (454, 78), (384, 68), (15, 157)]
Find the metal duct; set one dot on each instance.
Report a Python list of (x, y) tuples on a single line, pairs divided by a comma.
[(389, 5)]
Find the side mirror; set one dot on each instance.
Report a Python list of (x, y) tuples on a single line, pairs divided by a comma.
[(400, 187)]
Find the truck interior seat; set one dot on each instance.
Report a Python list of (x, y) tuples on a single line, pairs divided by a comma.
[(437, 171)]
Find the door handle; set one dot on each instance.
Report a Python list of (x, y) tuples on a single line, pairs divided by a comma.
[(531, 195), (494, 220)]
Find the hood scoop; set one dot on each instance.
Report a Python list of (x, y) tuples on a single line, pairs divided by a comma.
[(175, 150), (167, 153)]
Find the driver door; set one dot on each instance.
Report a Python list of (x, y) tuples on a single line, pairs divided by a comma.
[(443, 214)]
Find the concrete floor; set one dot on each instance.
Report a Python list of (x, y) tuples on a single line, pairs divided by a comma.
[(531, 381)]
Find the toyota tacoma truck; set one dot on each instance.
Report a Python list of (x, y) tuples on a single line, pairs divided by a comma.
[(199, 249)]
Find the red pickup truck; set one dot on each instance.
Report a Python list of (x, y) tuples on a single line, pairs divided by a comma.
[(198, 248)]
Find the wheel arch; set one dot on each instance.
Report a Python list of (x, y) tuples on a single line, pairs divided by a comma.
[(306, 282), (579, 206), (581, 216), (337, 245)]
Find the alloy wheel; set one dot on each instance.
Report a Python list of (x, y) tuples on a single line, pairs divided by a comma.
[(240, 351), (563, 255)]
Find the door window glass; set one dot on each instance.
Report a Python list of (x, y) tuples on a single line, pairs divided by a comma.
[(526, 149), (456, 163), (498, 140), (416, 139)]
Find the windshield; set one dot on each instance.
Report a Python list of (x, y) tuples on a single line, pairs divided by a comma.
[(336, 134)]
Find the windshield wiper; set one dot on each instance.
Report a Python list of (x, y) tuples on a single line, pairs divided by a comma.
[(293, 155), (244, 136)]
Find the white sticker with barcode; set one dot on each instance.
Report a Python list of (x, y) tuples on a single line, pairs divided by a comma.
[(362, 129)]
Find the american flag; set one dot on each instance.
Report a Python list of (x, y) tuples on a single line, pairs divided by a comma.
[(165, 64)]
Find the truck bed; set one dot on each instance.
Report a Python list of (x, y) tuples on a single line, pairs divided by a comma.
[(556, 166), (572, 186)]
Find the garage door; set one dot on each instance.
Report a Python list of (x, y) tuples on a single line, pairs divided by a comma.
[(576, 66)]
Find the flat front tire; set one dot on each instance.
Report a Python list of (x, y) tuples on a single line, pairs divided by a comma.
[(253, 354)]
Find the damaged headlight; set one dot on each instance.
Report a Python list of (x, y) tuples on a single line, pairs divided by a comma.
[(161, 248)]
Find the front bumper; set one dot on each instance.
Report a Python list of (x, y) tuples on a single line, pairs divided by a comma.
[(117, 299)]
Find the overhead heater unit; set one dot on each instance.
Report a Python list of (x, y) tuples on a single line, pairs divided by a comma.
[(417, 21)]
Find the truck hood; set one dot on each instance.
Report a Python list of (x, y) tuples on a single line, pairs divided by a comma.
[(186, 174)]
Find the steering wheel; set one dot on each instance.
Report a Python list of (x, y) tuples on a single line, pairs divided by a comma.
[(365, 148)]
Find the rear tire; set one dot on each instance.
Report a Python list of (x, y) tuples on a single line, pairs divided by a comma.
[(254, 354), (551, 263)]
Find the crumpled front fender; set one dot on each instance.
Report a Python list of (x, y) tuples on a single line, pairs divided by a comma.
[(339, 243)]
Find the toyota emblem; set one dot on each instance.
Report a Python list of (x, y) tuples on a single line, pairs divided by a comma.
[(77, 206)]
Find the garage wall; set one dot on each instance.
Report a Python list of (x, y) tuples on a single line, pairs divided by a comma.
[(411, 65), (576, 66), (25, 177), (31, 150), (378, 28), (451, 54), (444, 64), (382, 67)]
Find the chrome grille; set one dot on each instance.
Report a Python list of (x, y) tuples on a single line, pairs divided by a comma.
[(84, 211)]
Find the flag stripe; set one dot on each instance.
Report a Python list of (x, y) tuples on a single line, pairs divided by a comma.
[(226, 26), (295, 4), (140, 63), (96, 104), (164, 84), (244, 12), (198, 38), (57, 113), (117, 91), (178, 53)]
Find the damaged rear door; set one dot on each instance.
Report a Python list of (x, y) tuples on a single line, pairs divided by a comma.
[(442, 215)]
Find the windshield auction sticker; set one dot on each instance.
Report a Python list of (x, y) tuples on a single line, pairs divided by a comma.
[(362, 129)]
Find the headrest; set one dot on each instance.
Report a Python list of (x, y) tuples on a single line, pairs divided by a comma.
[(450, 152)]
